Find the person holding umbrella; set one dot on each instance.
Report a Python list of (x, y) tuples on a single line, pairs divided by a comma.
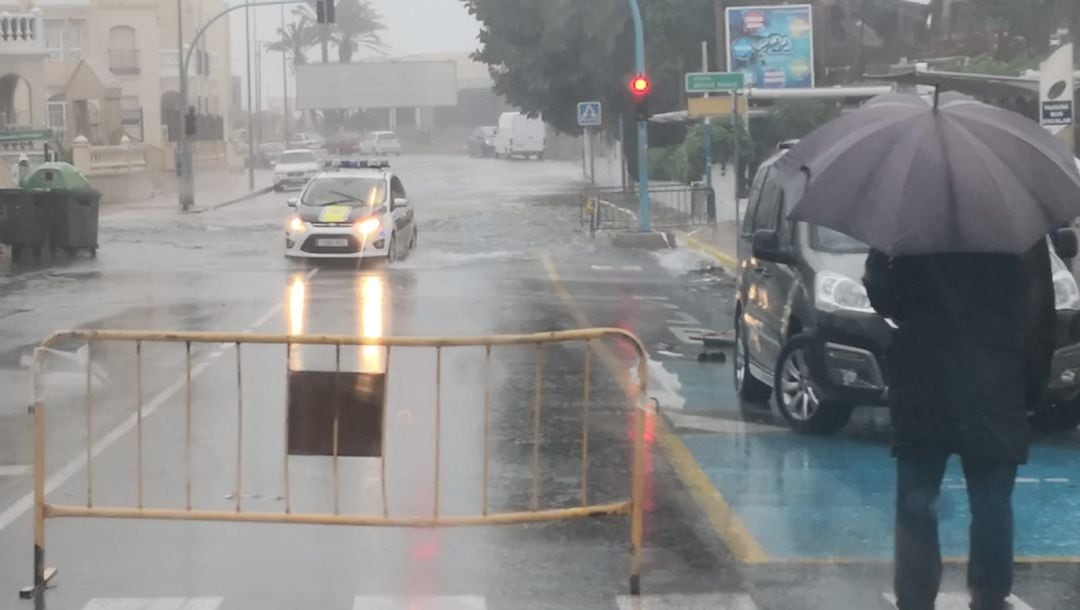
[(956, 199)]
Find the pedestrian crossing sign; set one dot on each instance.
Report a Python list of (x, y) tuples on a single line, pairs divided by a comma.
[(589, 114)]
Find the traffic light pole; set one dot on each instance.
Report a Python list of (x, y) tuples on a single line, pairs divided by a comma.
[(644, 219), (186, 175)]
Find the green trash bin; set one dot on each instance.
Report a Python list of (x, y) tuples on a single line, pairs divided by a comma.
[(71, 205), (24, 222)]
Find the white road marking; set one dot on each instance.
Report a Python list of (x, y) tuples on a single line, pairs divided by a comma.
[(636, 268), (687, 334), (683, 318), (23, 504), (706, 601), (716, 425), (157, 603), (385, 602), (647, 298), (16, 470), (960, 601), (601, 268), (1056, 480)]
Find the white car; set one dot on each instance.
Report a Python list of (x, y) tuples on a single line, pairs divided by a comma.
[(295, 167), (381, 143), (359, 210)]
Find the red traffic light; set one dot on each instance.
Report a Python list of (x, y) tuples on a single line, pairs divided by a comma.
[(640, 85)]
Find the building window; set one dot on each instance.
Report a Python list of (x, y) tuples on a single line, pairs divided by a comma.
[(57, 107), (54, 38), (123, 51), (73, 38)]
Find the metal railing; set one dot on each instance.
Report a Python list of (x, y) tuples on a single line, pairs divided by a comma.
[(594, 342), (673, 206)]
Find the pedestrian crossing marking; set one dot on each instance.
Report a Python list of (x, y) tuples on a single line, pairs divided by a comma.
[(707, 601), (961, 601), (156, 603), (419, 602)]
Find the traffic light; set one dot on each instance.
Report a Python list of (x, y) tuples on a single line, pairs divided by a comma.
[(325, 11), (191, 126), (640, 86)]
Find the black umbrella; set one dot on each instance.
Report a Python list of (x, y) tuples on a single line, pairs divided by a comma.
[(919, 175)]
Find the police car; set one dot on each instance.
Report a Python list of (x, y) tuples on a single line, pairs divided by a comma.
[(356, 210)]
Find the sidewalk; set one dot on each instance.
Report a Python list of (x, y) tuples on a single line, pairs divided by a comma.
[(211, 189)]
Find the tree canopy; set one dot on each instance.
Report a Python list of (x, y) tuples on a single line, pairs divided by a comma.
[(545, 56)]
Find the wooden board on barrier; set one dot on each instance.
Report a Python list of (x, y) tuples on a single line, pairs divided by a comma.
[(357, 398)]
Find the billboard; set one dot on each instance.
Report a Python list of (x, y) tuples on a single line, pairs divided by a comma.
[(376, 84), (772, 45)]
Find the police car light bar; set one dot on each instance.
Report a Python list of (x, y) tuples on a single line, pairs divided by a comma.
[(363, 164)]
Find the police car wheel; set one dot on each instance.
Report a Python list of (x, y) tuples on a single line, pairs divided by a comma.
[(391, 250)]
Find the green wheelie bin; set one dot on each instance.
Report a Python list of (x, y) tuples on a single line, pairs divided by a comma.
[(72, 207), (24, 222)]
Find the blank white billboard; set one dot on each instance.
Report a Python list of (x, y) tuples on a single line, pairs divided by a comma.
[(386, 84)]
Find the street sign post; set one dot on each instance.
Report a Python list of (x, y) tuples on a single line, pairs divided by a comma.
[(590, 114), (714, 82)]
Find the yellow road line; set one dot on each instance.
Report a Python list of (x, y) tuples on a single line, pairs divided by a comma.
[(727, 524), (726, 260)]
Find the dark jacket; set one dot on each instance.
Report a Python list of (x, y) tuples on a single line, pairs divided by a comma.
[(973, 350)]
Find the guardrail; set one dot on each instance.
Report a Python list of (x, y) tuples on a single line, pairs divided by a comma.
[(336, 443), (672, 206)]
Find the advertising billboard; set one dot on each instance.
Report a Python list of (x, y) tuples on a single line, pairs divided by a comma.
[(772, 45)]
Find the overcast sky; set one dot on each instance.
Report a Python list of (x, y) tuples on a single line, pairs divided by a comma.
[(412, 27)]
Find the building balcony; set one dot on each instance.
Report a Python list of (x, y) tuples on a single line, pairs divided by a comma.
[(22, 33)]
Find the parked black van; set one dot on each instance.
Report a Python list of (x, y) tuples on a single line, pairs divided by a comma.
[(807, 336)]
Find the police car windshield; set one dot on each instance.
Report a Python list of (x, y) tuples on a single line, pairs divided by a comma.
[(355, 191)]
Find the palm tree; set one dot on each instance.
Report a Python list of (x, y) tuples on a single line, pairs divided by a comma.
[(358, 26), (295, 39)]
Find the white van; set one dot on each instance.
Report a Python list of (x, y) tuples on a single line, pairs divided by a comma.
[(520, 136)]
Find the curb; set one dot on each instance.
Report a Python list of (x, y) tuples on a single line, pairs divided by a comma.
[(727, 261)]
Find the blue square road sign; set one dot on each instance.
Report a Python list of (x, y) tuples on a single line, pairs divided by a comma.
[(589, 114)]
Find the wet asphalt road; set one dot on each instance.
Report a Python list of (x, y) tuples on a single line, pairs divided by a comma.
[(499, 252)]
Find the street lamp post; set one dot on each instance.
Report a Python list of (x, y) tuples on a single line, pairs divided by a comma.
[(186, 173), (644, 220)]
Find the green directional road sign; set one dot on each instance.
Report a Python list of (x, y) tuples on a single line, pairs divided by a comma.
[(713, 82)]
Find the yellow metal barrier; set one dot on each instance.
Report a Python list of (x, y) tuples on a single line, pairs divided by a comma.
[(632, 507)]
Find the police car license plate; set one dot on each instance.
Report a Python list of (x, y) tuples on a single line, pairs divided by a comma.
[(333, 242)]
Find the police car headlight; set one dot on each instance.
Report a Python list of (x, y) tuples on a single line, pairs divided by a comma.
[(296, 224), (1066, 292), (367, 226)]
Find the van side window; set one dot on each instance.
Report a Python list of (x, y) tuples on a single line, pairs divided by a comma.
[(768, 208), (754, 202), (396, 188)]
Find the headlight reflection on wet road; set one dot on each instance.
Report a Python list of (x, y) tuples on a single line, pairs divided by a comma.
[(370, 308), (297, 304)]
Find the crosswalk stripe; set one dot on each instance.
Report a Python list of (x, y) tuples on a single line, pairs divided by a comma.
[(156, 603), (705, 601), (419, 602), (961, 601)]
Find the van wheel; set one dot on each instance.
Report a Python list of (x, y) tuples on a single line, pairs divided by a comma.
[(802, 403), (747, 387)]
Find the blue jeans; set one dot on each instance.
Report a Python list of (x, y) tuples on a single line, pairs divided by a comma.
[(918, 552)]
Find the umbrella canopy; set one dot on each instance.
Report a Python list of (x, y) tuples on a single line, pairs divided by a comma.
[(911, 175), (49, 176)]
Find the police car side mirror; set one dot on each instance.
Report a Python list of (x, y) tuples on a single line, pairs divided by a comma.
[(293, 202), (400, 202)]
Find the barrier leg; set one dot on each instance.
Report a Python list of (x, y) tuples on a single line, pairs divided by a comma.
[(638, 505), (42, 575)]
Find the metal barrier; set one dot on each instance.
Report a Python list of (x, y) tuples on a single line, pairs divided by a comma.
[(672, 206), (634, 387)]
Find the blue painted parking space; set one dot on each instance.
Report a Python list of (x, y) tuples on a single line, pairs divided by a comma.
[(806, 497)]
